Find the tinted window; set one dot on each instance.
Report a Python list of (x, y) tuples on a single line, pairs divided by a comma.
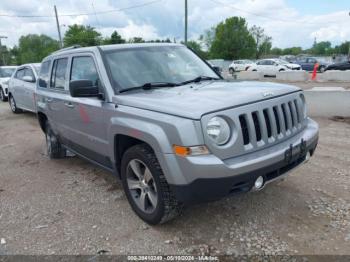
[(29, 72), (137, 66), (44, 74), (20, 74), (58, 77), (84, 68), (263, 62), (312, 60), (6, 72)]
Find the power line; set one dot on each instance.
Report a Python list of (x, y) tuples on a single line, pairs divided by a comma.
[(264, 16), (82, 14)]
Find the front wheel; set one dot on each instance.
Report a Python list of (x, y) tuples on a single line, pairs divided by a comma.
[(322, 69), (232, 71), (53, 145), (13, 105), (145, 186), (2, 95)]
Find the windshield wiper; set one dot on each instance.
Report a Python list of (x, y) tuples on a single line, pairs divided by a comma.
[(199, 79), (148, 86)]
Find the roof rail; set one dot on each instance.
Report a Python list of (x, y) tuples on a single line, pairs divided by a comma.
[(67, 48)]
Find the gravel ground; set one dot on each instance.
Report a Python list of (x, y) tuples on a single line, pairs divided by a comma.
[(69, 206)]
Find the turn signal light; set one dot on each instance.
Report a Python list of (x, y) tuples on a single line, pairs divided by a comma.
[(190, 150)]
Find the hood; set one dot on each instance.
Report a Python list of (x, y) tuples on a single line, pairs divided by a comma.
[(195, 100), (4, 79), (292, 65)]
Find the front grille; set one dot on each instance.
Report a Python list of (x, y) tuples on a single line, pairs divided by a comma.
[(271, 123)]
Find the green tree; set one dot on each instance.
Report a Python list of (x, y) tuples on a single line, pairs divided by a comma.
[(262, 41), (233, 40), (208, 37), (114, 39), (81, 35), (343, 48), (33, 48), (136, 40), (276, 51), (296, 50), (196, 47), (322, 48)]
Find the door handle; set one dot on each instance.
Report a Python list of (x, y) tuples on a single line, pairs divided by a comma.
[(69, 104)]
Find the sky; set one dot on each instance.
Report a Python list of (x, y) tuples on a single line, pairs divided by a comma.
[(288, 22)]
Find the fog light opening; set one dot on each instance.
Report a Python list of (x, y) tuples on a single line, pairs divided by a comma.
[(259, 183)]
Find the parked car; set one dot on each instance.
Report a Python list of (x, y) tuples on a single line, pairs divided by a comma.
[(240, 65), (268, 67), (174, 134), (5, 74), (339, 66), (22, 88), (308, 64), (216, 68)]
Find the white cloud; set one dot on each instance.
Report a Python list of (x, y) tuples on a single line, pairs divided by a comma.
[(166, 19)]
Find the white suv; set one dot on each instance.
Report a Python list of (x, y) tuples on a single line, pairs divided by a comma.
[(240, 65), (5, 74), (270, 67)]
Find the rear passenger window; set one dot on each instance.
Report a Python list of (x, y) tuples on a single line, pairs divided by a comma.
[(29, 72), (83, 68), (20, 74), (58, 77), (44, 74)]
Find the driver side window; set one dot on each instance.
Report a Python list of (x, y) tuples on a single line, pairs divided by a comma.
[(83, 68)]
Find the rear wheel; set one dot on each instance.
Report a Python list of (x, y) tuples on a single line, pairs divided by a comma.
[(2, 95), (145, 186), (13, 105), (53, 145), (232, 71), (322, 69)]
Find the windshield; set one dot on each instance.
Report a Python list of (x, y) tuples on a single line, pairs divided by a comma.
[(282, 62), (6, 72), (172, 64)]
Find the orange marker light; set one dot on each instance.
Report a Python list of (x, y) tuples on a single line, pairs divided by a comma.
[(185, 151)]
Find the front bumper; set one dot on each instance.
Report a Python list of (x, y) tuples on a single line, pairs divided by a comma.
[(210, 178)]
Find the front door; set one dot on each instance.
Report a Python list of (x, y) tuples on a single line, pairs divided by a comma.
[(87, 119)]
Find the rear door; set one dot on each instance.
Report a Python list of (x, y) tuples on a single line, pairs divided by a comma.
[(17, 87), (28, 90), (86, 122)]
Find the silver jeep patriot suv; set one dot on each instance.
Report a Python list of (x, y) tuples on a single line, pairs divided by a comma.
[(162, 120)]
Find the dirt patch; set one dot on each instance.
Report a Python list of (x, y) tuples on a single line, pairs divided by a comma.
[(69, 206)]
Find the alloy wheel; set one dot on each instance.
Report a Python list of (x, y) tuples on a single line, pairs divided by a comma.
[(12, 104), (142, 186)]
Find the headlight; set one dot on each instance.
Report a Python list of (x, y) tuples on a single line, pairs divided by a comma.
[(218, 130)]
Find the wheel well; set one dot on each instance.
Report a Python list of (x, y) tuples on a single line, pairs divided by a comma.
[(42, 118), (123, 143)]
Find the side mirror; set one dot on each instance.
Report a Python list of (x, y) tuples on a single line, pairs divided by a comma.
[(28, 79), (83, 88), (217, 69)]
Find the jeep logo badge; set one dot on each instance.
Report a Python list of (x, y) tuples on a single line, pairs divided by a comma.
[(267, 94)]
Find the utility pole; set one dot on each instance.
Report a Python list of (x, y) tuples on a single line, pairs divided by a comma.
[(186, 21), (58, 27), (2, 54)]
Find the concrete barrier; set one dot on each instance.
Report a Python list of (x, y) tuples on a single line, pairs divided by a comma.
[(328, 103), (334, 75), (249, 75), (293, 76)]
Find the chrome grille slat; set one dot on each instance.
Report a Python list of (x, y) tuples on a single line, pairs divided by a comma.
[(272, 123)]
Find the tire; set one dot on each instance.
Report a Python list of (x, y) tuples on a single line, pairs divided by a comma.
[(2, 95), (281, 70), (145, 186), (232, 71), (322, 69), (53, 145), (13, 105)]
